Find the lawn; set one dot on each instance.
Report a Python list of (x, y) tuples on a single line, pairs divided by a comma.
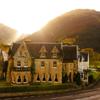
[(6, 87), (3, 83)]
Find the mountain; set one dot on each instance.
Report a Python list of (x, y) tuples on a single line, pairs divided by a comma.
[(7, 34), (81, 24)]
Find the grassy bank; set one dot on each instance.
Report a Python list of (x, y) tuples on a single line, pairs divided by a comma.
[(37, 87)]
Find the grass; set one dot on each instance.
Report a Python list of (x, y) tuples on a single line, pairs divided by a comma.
[(6, 88), (3, 83)]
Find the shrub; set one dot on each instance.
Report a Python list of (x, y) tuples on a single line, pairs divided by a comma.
[(78, 79), (64, 78), (90, 78)]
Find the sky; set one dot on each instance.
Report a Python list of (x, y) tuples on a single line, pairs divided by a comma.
[(28, 16)]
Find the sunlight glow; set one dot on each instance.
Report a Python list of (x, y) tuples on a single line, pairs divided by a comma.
[(28, 16)]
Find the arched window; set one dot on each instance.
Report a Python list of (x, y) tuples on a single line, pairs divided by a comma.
[(44, 77), (18, 63), (19, 79), (54, 64), (54, 52), (70, 75), (49, 77), (43, 52), (38, 78), (56, 79), (25, 63), (25, 79), (42, 63)]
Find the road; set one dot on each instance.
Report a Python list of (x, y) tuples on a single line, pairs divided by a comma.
[(92, 94)]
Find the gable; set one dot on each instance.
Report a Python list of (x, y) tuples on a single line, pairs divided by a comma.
[(55, 50), (43, 49), (22, 51), (14, 48)]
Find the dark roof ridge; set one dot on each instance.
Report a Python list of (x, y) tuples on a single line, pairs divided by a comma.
[(64, 45), (32, 42)]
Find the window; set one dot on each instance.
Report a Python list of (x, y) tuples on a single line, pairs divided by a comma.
[(43, 77), (25, 63), (18, 63), (85, 75), (19, 79), (54, 64), (43, 55), (49, 77), (42, 63), (55, 52), (43, 52), (38, 78), (54, 55), (24, 79), (81, 75)]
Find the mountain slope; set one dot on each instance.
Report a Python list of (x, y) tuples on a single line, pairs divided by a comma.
[(83, 24), (7, 34)]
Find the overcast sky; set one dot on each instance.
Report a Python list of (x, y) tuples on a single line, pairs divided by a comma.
[(28, 16)]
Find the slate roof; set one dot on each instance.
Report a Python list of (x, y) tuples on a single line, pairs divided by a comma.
[(69, 53), (14, 48), (34, 48)]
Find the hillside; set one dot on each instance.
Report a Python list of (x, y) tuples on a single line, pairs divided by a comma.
[(84, 25), (7, 34)]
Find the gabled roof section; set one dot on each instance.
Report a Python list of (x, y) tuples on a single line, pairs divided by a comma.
[(55, 50), (15, 46), (43, 49), (35, 47), (69, 53)]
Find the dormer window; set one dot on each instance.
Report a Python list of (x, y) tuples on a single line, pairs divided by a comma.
[(55, 52), (18, 64), (43, 52), (54, 64), (42, 63)]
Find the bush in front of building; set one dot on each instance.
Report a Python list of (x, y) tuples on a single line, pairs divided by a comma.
[(77, 79), (90, 79), (64, 78)]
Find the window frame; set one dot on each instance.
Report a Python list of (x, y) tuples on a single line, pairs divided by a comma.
[(18, 63), (42, 63), (54, 64)]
